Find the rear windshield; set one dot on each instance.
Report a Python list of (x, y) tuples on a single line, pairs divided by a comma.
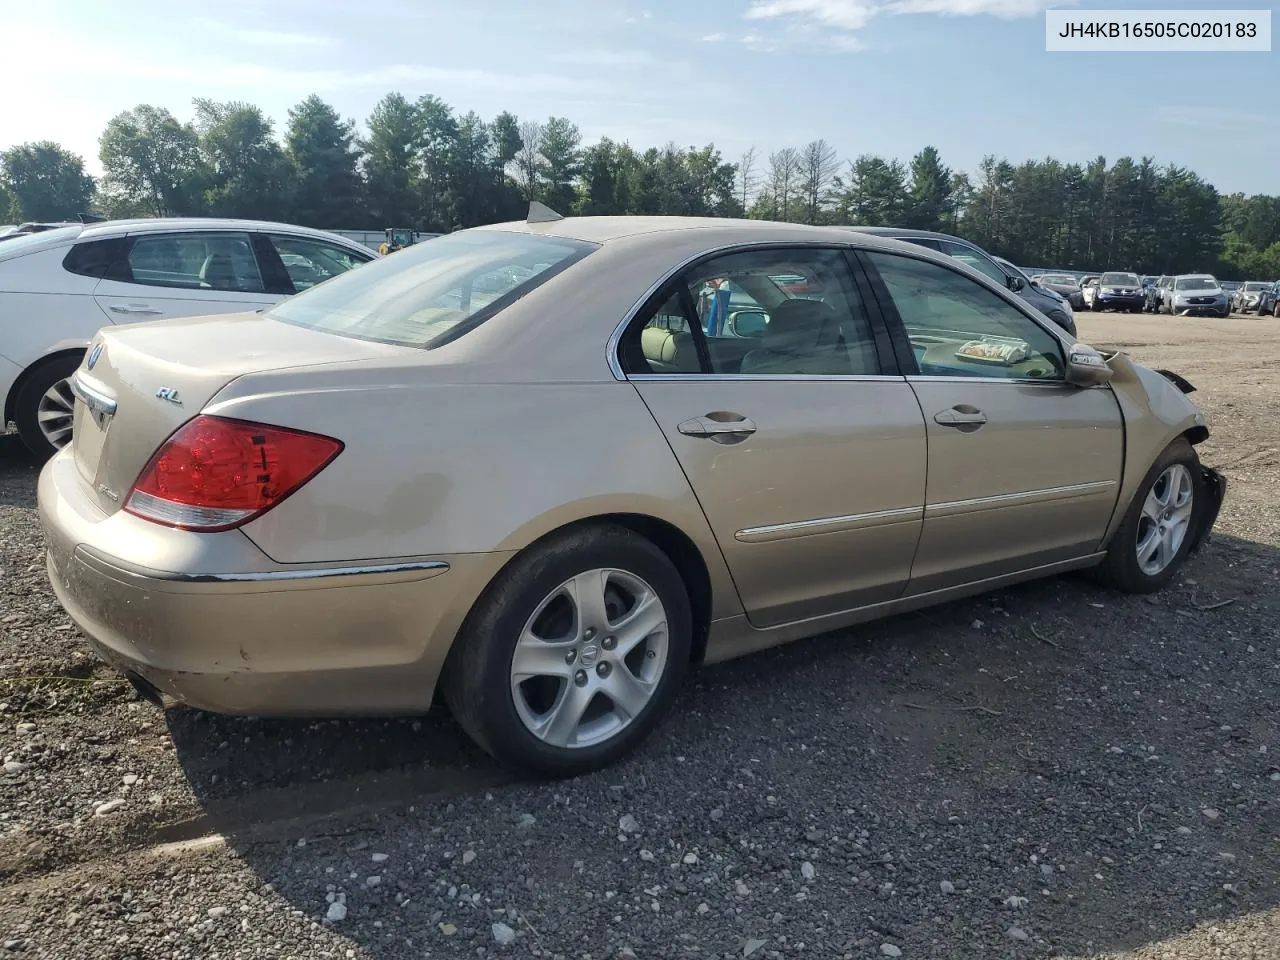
[(432, 292), (1197, 283), (1119, 280), (22, 244)]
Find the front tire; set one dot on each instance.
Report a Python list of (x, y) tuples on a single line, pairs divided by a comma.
[(44, 406), (573, 654), (1159, 527)]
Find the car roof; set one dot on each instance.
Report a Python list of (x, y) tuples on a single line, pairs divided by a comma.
[(1195, 276), (720, 230), (117, 228)]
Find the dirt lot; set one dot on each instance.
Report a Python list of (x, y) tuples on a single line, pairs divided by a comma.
[(1052, 770)]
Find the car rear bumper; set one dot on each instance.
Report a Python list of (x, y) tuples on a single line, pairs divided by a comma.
[(256, 638)]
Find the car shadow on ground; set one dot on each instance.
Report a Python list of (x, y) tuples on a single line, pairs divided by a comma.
[(1108, 758)]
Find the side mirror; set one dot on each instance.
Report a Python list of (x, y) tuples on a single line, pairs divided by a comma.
[(1015, 283), (1086, 366), (748, 324)]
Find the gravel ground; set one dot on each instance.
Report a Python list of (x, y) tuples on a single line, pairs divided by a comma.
[(1053, 770)]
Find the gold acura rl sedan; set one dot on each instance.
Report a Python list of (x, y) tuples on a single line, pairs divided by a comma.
[(544, 467)]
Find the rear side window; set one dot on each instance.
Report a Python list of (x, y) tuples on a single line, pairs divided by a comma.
[(192, 261), (94, 259), (433, 292), (309, 262)]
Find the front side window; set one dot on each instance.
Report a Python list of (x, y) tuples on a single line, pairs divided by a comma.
[(192, 261), (432, 292), (309, 262), (959, 328), (762, 313)]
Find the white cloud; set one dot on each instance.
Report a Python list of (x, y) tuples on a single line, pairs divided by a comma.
[(850, 16), (715, 38)]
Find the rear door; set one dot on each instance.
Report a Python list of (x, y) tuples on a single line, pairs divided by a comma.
[(1024, 468), (183, 274), (804, 445)]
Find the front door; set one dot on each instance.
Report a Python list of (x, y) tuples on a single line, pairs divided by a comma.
[(806, 454), (1024, 468)]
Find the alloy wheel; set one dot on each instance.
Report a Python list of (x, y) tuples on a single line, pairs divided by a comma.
[(1165, 519), (56, 412), (590, 658)]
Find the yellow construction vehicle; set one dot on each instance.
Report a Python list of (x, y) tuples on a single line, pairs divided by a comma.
[(397, 239)]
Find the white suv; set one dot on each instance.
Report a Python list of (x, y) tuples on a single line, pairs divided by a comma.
[(59, 287)]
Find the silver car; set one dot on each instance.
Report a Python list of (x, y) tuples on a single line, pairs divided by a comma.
[(1196, 294)]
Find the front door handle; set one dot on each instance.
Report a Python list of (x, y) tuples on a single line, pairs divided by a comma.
[(961, 417), (134, 309), (712, 426)]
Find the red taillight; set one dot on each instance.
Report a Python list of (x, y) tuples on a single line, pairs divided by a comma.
[(215, 474)]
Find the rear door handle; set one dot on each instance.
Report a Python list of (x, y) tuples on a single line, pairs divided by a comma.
[(961, 417), (707, 427), (135, 309)]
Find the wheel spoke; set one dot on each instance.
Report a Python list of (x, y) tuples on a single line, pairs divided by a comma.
[(627, 691), (646, 617), (1149, 544), (1152, 508), (1164, 553), (535, 657), (587, 592), (562, 719)]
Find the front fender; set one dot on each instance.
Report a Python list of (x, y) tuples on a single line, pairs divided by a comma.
[(1156, 412)]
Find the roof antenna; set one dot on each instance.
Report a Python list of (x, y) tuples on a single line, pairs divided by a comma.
[(541, 213)]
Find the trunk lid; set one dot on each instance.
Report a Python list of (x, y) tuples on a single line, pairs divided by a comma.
[(139, 383)]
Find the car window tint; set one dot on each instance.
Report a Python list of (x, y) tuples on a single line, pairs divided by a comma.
[(959, 328), (968, 255), (789, 312), (195, 261), (309, 262)]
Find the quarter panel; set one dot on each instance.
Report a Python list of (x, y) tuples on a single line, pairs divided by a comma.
[(453, 468)]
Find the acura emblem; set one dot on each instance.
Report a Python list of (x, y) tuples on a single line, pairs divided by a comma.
[(94, 354)]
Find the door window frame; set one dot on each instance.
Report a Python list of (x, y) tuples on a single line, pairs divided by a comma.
[(626, 336), (897, 329), (120, 270)]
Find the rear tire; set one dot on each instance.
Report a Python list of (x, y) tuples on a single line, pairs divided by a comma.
[(1135, 562), (563, 719), (43, 406)]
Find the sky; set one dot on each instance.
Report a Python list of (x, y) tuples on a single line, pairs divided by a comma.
[(886, 77)]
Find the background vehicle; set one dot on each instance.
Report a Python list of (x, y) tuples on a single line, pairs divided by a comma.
[(1153, 299), (397, 239), (1064, 285), (1089, 291), (1245, 299), (1119, 291), (59, 286), (1053, 306), (1196, 294), (1269, 301), (317, 531)]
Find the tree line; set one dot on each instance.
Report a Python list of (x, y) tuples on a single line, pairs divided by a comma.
[(420, 164)]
